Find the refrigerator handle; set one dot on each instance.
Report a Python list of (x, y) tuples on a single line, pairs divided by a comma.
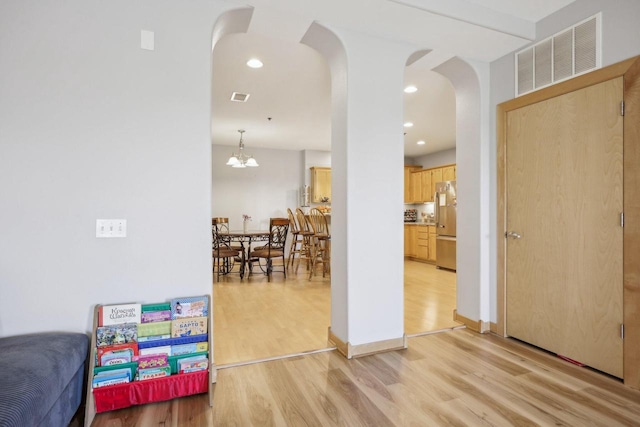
[(435, 207)]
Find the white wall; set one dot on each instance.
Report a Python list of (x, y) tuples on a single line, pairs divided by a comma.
[(91, 126), (433, 160), (620, 40), (471, 82), (263, 192)]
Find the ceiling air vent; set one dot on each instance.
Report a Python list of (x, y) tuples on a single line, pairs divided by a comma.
[(569, 53), (239, 97)]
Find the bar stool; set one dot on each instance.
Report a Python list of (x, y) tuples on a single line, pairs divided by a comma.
[(320, 242), (296, 241), (304, 230)]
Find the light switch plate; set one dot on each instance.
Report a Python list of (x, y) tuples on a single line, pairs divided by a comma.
[(111, 228), (147, 40)]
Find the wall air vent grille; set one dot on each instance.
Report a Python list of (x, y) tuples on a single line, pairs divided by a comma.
[(543, 63), (567, 54)]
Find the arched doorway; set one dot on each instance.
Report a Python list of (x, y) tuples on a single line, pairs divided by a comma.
[(256, 319)]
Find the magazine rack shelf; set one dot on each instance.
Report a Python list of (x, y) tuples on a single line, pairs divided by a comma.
[(120, 396)]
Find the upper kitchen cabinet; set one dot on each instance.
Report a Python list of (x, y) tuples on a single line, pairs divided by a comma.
[(436, 176), (408, 195), (449, 173), (425, 179), (416, 186), (420, 184), (320, 184)]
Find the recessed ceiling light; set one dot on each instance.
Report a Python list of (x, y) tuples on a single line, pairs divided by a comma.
[(410, 89), (421, 142), (408, 124), (254, 63), (239, 97)]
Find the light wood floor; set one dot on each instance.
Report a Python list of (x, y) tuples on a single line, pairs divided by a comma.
[(255, 319), (454, 378)]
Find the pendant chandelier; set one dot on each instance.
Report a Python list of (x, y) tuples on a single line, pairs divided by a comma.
[(241, 160)]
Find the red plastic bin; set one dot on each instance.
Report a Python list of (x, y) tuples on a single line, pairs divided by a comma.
[(120, 396)]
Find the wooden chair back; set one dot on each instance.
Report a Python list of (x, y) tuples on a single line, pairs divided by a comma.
[(303, 223), (293, 226), (318, 222)]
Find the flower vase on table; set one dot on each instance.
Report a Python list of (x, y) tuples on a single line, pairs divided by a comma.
[(245, 223)]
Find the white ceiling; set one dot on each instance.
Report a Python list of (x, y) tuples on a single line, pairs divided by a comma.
[(293, 87)]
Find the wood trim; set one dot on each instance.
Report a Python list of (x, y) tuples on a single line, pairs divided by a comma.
[(342, 347), (377, 347), (631, 230), (630, 70), (350, 351), (493, 328), (501, 229), (479, 326)]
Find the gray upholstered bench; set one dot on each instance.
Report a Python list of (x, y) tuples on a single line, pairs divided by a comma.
[(41, 378)]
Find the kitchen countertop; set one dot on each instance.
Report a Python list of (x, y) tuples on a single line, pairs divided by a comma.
[(420, 223)]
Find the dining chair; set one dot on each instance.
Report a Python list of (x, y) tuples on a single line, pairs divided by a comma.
[(320, 242), (221, 251), (223, 227), (275, 248), (297, 239), (304, 230)]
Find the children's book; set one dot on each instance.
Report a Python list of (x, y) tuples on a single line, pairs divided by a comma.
[(116, 334), (132, 367), (120, 349), (154, 328), (119, 313), (101, 382), (189, 307), (189, 326), (165, 349), (160, 306), (153, 338), (193, 364), (152, 361), (155, 316), (177, 350), (151, 373), (117, 357), (116, 376)]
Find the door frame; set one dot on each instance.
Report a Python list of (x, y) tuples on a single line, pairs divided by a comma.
[(630, 71)]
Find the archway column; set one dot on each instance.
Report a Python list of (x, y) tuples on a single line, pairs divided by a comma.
[(473, 296), (367, 270)]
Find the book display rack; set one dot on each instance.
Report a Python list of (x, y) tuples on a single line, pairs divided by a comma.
[(143, 353)]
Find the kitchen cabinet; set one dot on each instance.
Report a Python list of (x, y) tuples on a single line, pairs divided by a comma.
[(432, 243), (449, 173), (436, 176), (416, 187), (320, 184), (422, 242), (410, 239), (426, 193), (407, 182), (419, 242)]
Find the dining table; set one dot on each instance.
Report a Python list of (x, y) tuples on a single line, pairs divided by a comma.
[(245, 238)]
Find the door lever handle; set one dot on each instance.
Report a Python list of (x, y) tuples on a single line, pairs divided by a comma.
[(512, 234)]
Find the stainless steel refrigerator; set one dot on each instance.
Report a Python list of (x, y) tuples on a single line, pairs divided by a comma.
[(445, 206)]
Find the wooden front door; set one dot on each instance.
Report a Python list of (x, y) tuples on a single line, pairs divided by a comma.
[(564, 194)]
